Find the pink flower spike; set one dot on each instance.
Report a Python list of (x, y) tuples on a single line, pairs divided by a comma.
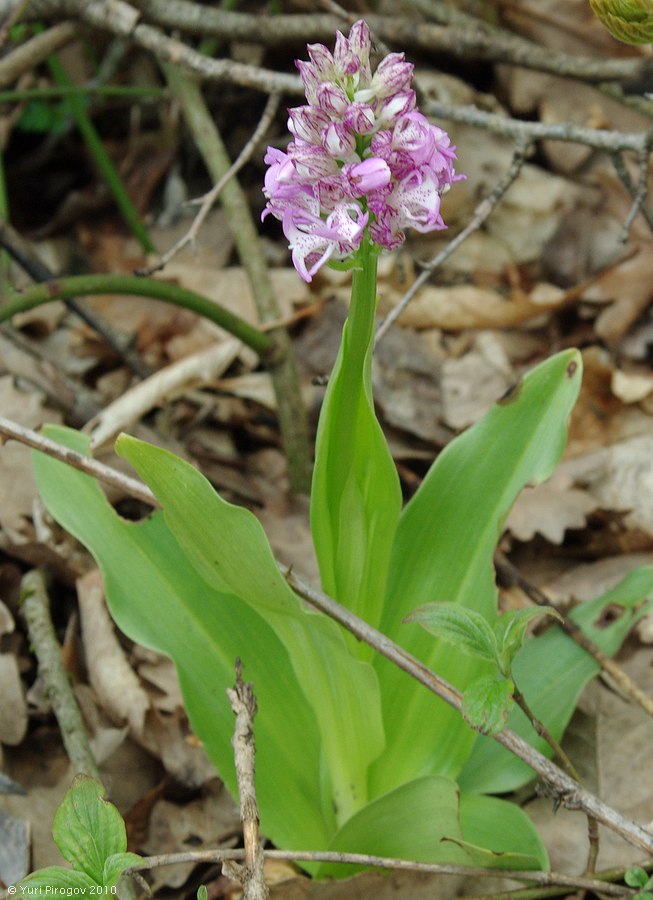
[(369, 175)]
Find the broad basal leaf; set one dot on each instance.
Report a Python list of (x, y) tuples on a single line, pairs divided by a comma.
[(443, 551), (228, 548), (409, 822), (159, 600), (500, 834)]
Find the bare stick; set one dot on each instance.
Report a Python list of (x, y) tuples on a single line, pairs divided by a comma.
[(481, 214), (627, 181), (35, 50), (13, 431), (208, 200), (403, 865), (465, 41), (609, 141), (640, 193), (243, 703), (35, 605), (568, 791)]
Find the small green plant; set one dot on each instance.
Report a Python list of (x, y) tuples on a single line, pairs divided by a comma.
[(488, 700), (90, 834), (352, 754), (638, 878)]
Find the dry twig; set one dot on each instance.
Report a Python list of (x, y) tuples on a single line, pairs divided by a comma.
[(208, 200), (250, 875), (35, 605)]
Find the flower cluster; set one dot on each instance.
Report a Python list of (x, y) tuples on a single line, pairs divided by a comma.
[(362, 157)]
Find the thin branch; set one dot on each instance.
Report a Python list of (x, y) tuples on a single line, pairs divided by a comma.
[(208, 200), (11, 20), (481, 214), (30, 54), (384, 862), (568, 791), (35, 605), (640, 193), (599, 139), (633, 190), (12, 431), (463, 41)]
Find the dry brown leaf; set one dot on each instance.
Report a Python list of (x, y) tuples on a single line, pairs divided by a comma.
[(471, 384), (201, 824), (631, 387), (110, 675), (550, 509), (467, 306), (620, 478)]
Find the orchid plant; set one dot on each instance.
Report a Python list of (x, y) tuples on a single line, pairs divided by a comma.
[(353, 755)]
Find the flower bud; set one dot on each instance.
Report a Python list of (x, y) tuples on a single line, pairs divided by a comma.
[(360, 118), (339, 141), (332, 99), (630, 21), (369, 175)]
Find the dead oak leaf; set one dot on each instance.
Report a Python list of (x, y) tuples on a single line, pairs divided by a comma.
[(550, 509)]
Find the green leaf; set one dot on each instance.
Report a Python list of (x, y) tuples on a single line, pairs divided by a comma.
[(487, 703), (551, 670), (55, 881), (443, 550), (115, 865), (410, 822), (228, 547), (467, 629), (202, 893), (87, 828), (157, 598), (510, 630), (356, 496), (636, 877), (500, 834)]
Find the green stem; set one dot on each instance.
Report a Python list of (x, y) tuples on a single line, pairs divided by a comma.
[(102, 160), (292, 415), (100, 90), (88, 285)]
